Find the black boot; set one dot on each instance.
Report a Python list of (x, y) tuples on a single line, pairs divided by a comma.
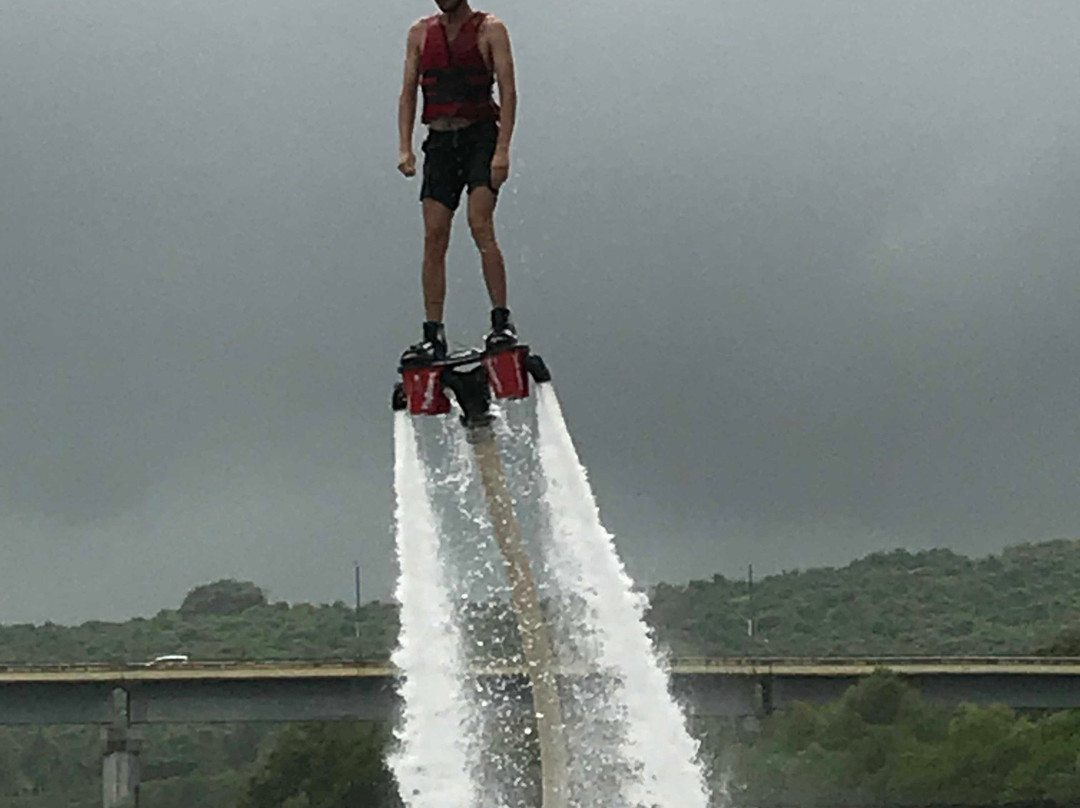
[(502, 334), (431, 349)]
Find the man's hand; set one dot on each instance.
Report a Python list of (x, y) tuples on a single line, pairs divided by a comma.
[(407, 163), (500, 168)]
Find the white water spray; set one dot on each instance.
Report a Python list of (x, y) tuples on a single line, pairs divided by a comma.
[(660, 755), (433, 761)]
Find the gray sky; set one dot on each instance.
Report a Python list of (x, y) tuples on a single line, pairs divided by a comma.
[(807, 275)]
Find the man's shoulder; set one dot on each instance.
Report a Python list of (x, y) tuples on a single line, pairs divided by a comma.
[(491, 25), (424, 22), (419, 28)]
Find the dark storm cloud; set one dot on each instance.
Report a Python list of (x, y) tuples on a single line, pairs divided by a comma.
[(817, 261)]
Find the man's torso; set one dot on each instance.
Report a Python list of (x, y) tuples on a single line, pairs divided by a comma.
[(483, 42)]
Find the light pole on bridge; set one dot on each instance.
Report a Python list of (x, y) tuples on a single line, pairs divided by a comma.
[(356, 564)]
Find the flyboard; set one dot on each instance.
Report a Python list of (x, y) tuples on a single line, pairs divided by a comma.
[(472, 377)]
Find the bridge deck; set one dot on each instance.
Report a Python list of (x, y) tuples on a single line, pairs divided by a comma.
[(201, 670), (324, 690), (193, 671)]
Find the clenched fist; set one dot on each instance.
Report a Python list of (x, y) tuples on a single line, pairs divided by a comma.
[(500, 169)]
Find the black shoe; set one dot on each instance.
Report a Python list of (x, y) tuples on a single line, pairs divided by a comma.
[(431, 349), (503, 334)]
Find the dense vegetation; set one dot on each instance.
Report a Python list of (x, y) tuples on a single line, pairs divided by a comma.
[(212, 629), (327, 765), (882, 744), (182, 766), (1025, 600), (934, 603)]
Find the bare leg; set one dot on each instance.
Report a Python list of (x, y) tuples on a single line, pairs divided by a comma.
[(482, 224), (437, 220)]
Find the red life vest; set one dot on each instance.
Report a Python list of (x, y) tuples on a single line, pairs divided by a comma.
[(453, 76)]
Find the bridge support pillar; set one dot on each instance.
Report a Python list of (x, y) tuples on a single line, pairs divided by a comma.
[(120, 761), (765, 686)]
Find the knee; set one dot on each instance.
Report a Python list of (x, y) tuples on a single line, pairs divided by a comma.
[(437, 237), (483, 231)]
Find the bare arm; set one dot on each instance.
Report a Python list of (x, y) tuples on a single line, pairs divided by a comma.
[(503, 63), (407, 102)]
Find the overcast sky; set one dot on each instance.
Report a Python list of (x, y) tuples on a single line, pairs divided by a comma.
[(807, 274)]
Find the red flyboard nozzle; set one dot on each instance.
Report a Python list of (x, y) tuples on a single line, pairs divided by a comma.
[(424, 391), (506, 372)]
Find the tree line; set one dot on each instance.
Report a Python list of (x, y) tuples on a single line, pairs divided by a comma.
[(1025, 600)]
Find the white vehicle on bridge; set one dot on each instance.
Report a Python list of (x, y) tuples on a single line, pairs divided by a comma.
[(168, 659)]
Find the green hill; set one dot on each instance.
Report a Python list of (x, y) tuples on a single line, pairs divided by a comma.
[(900, 603), (1025, 600)]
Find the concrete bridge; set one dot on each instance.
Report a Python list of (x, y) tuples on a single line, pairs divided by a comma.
[(122, 698), (178, 692)]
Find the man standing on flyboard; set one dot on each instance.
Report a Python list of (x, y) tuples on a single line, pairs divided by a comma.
[(456, 57)]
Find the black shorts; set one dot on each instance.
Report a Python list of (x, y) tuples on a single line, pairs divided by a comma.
[(454, 160)]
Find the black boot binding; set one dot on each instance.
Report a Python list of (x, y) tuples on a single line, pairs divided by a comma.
[(502, 334), (431, 349)]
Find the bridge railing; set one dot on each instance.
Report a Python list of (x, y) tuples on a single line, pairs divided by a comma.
[(700, 664), (865, 661), (201, 664)]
